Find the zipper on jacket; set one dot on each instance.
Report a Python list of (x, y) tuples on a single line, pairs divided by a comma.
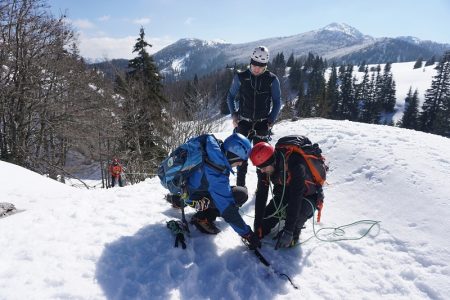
[(254, 97)]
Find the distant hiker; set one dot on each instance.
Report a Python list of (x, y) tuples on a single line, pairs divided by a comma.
[(207, 186), (258, 104), (116, 172), (296, 178)]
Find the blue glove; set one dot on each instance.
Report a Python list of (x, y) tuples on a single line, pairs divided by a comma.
[(284, 239)]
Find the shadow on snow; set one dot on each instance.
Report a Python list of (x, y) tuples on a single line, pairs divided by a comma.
[(147, 266)]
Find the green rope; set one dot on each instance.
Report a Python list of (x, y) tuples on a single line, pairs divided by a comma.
[(338, 231), (280, 213)]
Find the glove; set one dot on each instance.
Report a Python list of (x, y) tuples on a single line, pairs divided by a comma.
[(252, 240), (177, 228), (180, 238), (320, 196), (285, 238)]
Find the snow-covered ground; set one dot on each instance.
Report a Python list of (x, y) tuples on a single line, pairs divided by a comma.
[(71, 243)]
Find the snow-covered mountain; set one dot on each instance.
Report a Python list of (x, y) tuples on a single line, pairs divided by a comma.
[(71, 243), (339, 42)]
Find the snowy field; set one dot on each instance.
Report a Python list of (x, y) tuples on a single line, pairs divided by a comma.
[(72, 243), (405, 76)]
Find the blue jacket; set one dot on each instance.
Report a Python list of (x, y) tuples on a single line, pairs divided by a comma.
[(216, 183)]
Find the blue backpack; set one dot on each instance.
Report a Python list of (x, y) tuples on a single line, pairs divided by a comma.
[(182, 162)]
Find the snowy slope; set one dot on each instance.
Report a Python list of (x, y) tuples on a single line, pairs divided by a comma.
[(405, 76), (112, 244)]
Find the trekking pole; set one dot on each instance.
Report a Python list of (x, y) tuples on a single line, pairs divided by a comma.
[(264, 261), (183, 216), (185, 223)]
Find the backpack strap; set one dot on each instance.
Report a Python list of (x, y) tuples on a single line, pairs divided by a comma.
[(318, 180), (217, 167)]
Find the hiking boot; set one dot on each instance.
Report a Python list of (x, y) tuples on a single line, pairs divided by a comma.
[(205, 226), (296, 235)]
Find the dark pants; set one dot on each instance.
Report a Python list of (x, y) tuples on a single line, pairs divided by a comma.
[(240, 195), (256, 132), (118, 178), (305, 212)]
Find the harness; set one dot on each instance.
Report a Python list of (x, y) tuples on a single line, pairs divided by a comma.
[(252, 132)]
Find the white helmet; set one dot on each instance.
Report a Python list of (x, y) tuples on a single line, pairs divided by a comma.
[(260, 56)]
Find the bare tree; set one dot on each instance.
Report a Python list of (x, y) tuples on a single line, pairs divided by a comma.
[(49, 101)]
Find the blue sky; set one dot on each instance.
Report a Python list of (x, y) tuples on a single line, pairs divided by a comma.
[(108, 28)]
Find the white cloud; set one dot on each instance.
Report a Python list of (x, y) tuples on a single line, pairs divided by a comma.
[(83, 24), (141, 21), (104, 18), (189, 21), (107, 47)]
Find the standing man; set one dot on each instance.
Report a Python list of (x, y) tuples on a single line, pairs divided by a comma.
[(258, 102), (116, 173)]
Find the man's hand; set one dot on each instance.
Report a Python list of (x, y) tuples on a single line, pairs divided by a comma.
[(253, 240)]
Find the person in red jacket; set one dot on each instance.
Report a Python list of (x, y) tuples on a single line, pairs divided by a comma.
[(116, 173)]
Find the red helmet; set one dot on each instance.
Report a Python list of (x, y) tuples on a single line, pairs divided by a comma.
[(261, 153)]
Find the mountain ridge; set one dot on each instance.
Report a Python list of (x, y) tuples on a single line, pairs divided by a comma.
[(337, 42)]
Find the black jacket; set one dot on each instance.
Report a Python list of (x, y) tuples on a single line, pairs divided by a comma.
[(289, 185), (255, 95)]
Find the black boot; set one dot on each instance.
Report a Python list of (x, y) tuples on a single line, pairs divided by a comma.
[(297, 232)]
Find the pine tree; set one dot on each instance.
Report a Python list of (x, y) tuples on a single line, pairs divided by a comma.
[(317, 88), (144, 124), (363, 95), (418, 63), (332, 92), (388, 90), (295, 75), (443, 118), (378, 96), (290, 61), (435, 115), (431, 61), (362, 66), (349, 109), (311, 93), (410, 115), (371, 109), (278, 65)]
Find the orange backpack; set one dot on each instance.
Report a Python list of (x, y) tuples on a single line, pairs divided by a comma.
[(312, 155)]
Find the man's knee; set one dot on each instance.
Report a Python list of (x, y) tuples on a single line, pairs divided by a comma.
[(240, 195)]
